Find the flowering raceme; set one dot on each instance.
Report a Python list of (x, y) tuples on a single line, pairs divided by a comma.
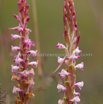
[(72, 53), (21, 72)]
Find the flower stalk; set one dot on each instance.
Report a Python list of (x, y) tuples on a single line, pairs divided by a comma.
[(21, 72), (40, 72), (72, 53)]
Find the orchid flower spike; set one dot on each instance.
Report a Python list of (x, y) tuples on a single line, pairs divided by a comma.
[(21, 72), (72, 51)]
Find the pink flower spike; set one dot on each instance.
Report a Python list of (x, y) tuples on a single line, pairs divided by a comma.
[(15, 90), (15, 48), (77, 51), (79, 84), (60, 60), (14, 68), (75, 99), (63, 73), (60, 46), (80, 66), (76, 93), (61, 88), (15, 37), (33, 53), (33, 63)]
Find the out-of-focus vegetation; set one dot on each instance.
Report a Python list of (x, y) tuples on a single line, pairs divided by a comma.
[(50, 21)]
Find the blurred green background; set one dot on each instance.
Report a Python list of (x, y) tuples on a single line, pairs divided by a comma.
[(50, 23)]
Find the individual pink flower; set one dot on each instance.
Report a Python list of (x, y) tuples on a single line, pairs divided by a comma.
[(33, 63), (18, 28), (75, 99), (16, 89), (14, 68), (33, 53), (31, 72), (25, 73), (15, 48), (60, 60), (29, 43), (60, 46), (79, 84), (17, 17), (63, 35), (76, 93), (27, 20), (60, 101), (17, 60), (63, 73), (77, 51), (73, 56), (61, 88), (31, 82), (80, 66), (28, 31), (15, 37), (14, 78)]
